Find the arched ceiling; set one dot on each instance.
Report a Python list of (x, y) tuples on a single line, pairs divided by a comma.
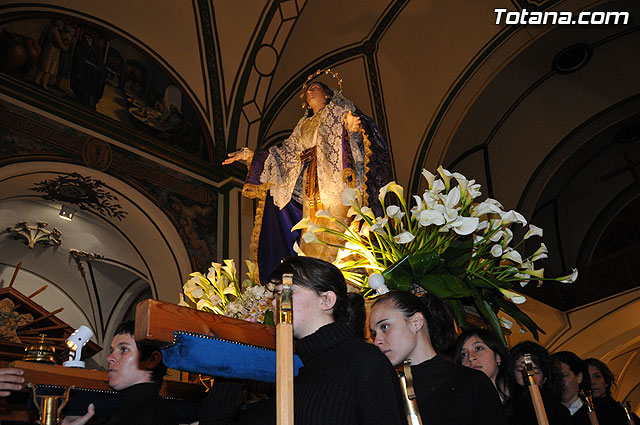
[(443, 81)]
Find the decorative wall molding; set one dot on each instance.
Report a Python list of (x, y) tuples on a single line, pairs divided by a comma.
[(35, 234)]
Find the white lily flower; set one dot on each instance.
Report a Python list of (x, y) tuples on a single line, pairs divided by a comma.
[(391, 186), (213, 271), (204, 303), (196, 292), (494, 202), (533, 231), (485, 208), (465, 225), (182, 301), (429, 177), (298, 250), (506, 323), (541, 253), (364, 229), (453, 198), (302, 224), (310, 237), (539, 274), (515, 298), (569, 278), (349, 196), (508, 236), (496, 236), (438, 186), (393, 210), (496, 250), (512, 216), (513, 255), (483, 225), (446, 176), (378, 226), (404, 237), (431, 217), (324, 213), (477, 238), (473, 189)]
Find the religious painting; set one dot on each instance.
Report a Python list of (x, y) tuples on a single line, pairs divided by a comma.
[(83, 63)]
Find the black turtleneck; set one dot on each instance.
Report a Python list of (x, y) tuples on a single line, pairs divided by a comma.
[(141, 405), (449, 394), (344, 380)]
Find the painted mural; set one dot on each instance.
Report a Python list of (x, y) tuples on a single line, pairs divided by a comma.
[(99, 70), (189, 203)]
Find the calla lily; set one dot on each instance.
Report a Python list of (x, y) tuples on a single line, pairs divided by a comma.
[(533, 231), (429, 177), (214, 270), (496, 250), (196, 292), (535, 273), (473, 189), (515, 298), (446, 176), (513, 217), (391, 186), (496, 236), (302, 224), (508, 236), (465, 225), (506, 323), (310, 237), (403, 238), (513, 255), (569, 278), (182, 301), (298, 250), (378, 226), (415, 211), (485, 207), (349, 196), (541, 253), (431, 217), (324, 213)]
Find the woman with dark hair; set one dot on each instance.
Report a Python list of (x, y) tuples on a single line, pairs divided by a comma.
[(608, 411), (408, 328), (575, 378), (344, 380), (549, 381), (481, 349)]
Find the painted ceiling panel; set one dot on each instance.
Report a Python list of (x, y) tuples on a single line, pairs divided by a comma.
[(236, 21), (166, 26), (414, 85), (324, 27)]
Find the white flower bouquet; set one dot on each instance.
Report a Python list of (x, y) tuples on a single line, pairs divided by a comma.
[(220, 292), (448, 244)]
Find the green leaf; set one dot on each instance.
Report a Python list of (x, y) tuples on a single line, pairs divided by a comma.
[(485, 310), (521, 317), (424, 263), (458, 255), (268, 318), (458, 312), (444, 285), (399, 275)]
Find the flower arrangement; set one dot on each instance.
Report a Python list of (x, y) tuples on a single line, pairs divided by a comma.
[(220, 292), (448, 244)]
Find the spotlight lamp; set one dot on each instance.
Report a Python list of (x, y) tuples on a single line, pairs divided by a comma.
[(75, 342), (67, 212)]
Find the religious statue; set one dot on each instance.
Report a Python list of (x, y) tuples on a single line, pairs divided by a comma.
[(333, 146)]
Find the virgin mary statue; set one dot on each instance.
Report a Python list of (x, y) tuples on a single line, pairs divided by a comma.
[(334, 146)]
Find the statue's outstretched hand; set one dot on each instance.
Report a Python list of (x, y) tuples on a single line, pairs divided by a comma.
[(353, 122), (244, 154)]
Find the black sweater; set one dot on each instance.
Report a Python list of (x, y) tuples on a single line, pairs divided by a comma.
[(141, 405), (610, 412), (344, 380), (449, 394)]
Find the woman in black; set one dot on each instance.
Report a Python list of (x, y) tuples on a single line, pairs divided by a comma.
[(549, 381), (608, 411), (344, 380), (405, 327)]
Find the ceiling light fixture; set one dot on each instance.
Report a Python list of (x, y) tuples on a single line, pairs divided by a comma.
[(67, 212)]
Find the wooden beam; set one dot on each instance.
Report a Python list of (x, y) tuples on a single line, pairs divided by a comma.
[(156, 321)]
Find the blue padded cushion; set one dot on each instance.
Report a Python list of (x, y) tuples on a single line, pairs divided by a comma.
[(215, 357)]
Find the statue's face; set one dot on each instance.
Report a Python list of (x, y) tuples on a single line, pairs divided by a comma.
[(316, 96)]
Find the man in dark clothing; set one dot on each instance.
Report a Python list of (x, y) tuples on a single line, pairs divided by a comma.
[(136, 372)]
